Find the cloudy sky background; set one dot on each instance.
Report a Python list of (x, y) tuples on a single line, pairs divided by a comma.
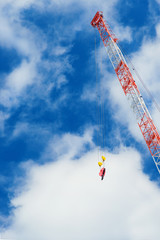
[(49, 183)]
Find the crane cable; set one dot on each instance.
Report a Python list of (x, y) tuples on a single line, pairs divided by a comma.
[(97, 99), (100, 107)]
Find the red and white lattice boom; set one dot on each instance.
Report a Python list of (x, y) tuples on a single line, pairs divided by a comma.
[(129, 87)]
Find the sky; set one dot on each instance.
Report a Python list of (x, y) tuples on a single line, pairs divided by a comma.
[(54, 72)]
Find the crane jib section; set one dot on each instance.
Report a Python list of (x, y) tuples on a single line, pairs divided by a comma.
[(136, 102)]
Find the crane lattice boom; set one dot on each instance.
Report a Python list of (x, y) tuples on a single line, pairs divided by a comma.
[(129, 87)]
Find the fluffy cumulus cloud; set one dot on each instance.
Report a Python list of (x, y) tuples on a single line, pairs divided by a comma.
[(65, 199), (16, 82)]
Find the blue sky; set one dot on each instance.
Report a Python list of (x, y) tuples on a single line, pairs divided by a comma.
[(48, 118)]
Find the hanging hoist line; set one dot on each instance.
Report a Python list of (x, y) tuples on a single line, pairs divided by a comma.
[(100, 119)]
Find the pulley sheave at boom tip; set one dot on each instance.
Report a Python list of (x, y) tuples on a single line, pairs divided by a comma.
[(136, 102)]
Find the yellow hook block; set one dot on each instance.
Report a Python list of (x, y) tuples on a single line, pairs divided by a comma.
[(103, 158), (100, 164)]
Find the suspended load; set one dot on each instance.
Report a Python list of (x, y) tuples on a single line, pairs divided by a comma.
[(103, 169)]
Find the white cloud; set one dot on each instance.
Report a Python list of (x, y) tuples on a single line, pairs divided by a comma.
[(21, 77), (21, 128), (38, 134), (123, 33), (59, 50), (65, 199), (14, 35), (17, 82), (62, 146), (61, 81)]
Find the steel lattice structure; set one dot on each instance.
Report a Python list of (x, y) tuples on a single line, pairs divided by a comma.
[(129, 87)]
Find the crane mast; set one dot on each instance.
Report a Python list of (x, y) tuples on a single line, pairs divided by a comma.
[(136, 102)]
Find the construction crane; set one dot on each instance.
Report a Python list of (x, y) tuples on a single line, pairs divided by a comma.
[(136, 102)]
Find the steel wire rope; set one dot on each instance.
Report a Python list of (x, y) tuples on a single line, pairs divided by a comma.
[(101, 107), (102, 104), (102, 115), (97, 99)]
